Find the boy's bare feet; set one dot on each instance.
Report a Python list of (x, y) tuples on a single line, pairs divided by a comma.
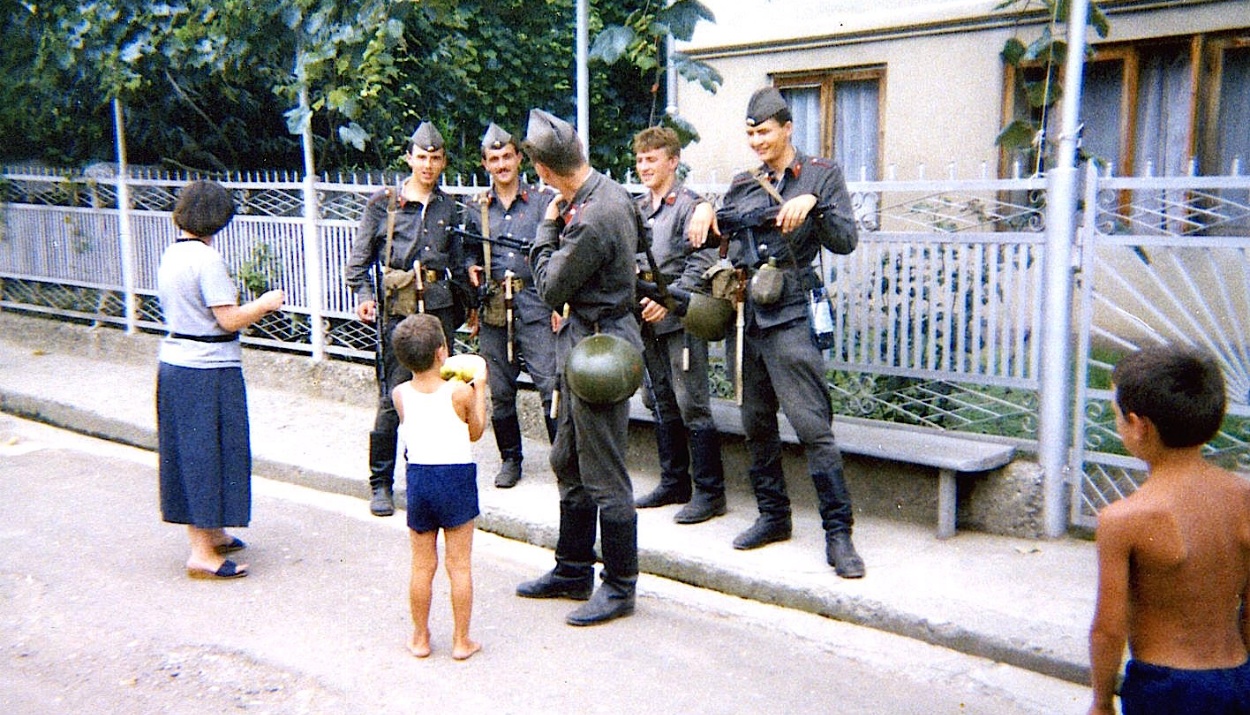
[(464, 651), (419, 646)]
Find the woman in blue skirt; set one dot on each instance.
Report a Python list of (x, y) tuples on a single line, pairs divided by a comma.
[(201, 403)]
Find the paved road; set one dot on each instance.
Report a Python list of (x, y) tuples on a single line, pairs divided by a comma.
[(97, 616)]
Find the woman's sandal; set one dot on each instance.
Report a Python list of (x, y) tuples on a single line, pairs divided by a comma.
[(228, 569)]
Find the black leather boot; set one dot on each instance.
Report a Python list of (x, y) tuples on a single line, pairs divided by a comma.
[(842, 556), (615, 596), (382, 445), (574, 574), (767, 529), (709, 479), (673, 445), (508, 439)]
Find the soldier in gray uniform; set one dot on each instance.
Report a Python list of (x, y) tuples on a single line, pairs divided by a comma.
[(516, 327), (782, 367), (685, 433), (583, 257), (423, 219)]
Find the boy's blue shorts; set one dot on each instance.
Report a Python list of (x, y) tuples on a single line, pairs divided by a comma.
[(441, 496), (1155, 690)]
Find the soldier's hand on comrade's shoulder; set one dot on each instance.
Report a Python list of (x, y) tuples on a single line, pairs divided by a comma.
[(794, 212), (701, 222)]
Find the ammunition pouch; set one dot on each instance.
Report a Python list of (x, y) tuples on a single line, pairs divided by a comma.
[(494, 310), (401, 290)]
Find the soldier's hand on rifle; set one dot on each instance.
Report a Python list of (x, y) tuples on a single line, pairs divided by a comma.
[(652, 312), (367, 310), (475, 276), (794, 212), (701, 221)]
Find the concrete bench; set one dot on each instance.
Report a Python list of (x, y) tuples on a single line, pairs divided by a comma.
[(951, 455)]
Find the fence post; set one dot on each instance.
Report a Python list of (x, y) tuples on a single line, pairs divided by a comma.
[(312, 243), (1055, 384), (125, 237)]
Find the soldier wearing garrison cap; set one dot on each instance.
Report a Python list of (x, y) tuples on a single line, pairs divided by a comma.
[(782, 366), (516, 328), (583, 258), (406, 259)]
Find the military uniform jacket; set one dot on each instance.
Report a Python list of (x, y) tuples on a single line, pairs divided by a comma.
[(587, 261), (679, 263), (519, 221), (834, 229), (422, 233)]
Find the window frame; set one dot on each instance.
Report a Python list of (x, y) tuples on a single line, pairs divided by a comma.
[(827, 80), (1206, 54)]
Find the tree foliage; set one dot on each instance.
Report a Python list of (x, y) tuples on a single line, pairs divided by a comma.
[(216, 84)]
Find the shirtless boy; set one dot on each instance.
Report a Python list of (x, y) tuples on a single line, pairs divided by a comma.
[(1173, 558)]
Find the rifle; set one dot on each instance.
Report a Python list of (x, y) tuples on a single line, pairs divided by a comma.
[(515, 244), (379, 369), (379, 295), (732, 223)]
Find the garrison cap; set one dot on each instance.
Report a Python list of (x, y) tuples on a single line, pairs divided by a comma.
[(547, 133), (765, 104), (426, 137), (495, 138)]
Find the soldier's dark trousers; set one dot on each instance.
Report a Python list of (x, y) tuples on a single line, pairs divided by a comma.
[(782, 369)]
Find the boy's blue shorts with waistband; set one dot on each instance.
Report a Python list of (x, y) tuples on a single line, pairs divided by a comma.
[(1158, 690), (441, 496)]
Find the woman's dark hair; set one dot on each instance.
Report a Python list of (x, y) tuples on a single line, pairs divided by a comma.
[(203, 208)]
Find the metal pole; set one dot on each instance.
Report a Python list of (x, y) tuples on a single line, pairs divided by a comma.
[(583, 74), (125, 237), (312, 241), (670, 78), (1056, 389)]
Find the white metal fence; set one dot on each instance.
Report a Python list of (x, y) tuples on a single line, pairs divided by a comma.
[(938, 314)]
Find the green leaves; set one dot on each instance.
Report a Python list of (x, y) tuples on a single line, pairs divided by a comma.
[(612, 43)]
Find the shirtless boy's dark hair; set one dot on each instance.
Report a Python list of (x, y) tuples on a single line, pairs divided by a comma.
[(416, 339), (1178, 388)]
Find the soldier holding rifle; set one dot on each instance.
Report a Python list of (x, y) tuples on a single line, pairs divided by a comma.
[(406, 259), (516, 328), (783, 367)]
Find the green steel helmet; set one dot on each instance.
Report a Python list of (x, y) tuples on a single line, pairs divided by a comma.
[(708, 318), (604, 369)]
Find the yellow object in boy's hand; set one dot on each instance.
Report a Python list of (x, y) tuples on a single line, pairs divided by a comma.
[(464, 367)]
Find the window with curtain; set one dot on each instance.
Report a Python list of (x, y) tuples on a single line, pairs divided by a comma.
[(1141, 112), (837, 114)]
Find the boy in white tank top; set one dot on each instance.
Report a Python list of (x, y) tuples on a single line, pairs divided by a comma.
[(439, 419)]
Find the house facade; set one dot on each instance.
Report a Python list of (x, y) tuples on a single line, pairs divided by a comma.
[(892, 88)]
